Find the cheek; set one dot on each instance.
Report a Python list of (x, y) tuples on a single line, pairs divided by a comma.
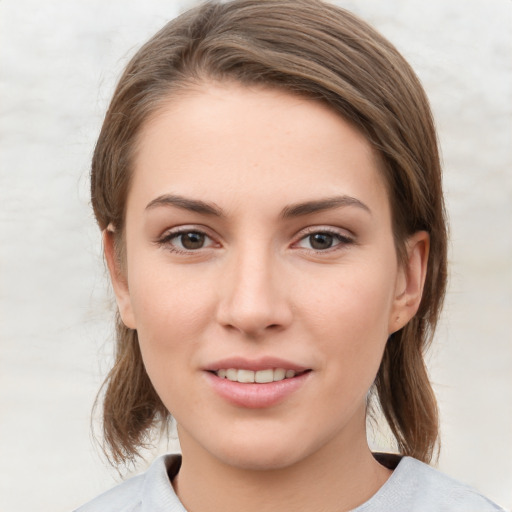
[(354, 301), (348, 317), (169, 330), (171, 312), (165, 298)]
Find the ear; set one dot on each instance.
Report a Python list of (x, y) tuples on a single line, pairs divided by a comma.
[(410, 281), (118, 279)]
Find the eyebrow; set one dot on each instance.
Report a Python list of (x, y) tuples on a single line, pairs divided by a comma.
[(291, 211), (193, 205), (309, 207)]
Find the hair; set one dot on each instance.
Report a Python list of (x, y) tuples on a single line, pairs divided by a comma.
[(323, 52)]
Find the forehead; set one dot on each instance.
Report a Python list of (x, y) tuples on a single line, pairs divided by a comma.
[(228, 141)]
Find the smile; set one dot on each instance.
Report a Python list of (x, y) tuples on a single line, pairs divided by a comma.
[(256, 389), (259, 376)]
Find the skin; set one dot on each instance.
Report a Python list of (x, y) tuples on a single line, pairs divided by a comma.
[(257, 287)]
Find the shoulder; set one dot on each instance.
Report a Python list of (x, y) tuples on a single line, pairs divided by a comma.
[(415, 486), (148, 491), (125, 497), (442, 490)]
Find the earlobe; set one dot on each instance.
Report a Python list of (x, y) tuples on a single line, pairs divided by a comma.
[(118, 278), (410, 281)]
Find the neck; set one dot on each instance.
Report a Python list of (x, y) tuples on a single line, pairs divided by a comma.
[(333, 479)]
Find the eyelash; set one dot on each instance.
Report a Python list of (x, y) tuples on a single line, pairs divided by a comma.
[(342, 240), (166, 240)]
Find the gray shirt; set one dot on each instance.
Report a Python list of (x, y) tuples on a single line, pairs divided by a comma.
[(413, 487)]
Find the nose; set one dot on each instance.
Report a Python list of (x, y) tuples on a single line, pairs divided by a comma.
[(253, 295)]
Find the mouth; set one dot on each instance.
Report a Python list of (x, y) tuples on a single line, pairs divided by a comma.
[(259, 388), (256, 383), (257, 376), (260, 383)]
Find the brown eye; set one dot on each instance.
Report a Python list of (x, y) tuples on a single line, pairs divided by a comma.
[(185, 241), (192, 240), (321, 241), (324, 240)]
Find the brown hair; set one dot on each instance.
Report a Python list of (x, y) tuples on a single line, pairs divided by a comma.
[(326, 53)]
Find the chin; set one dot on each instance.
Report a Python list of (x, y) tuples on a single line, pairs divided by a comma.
[(256, 453), (259, 460)]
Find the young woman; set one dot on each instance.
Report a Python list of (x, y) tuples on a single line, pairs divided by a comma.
[(268, 185)]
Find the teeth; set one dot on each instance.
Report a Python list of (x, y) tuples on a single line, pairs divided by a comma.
[(232, 374), (279, 374), (245, 375), (264, 376), (260, 376)]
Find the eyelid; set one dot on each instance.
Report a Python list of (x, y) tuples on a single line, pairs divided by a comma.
[(343, 236), (169, 234), (323, 228)]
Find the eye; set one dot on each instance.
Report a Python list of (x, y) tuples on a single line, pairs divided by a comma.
[(191, 240), (186, 240), (323, 240)]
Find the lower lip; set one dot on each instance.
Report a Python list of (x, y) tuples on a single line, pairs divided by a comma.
[(256, 396)]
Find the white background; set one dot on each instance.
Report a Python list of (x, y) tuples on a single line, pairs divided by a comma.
[(58, 63)]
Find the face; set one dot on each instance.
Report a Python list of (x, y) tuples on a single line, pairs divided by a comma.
[(259, 247)]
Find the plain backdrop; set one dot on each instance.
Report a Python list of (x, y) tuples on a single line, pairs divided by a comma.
[(59, 61)]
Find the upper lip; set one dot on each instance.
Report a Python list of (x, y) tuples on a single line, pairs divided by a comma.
[(261, 363)]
